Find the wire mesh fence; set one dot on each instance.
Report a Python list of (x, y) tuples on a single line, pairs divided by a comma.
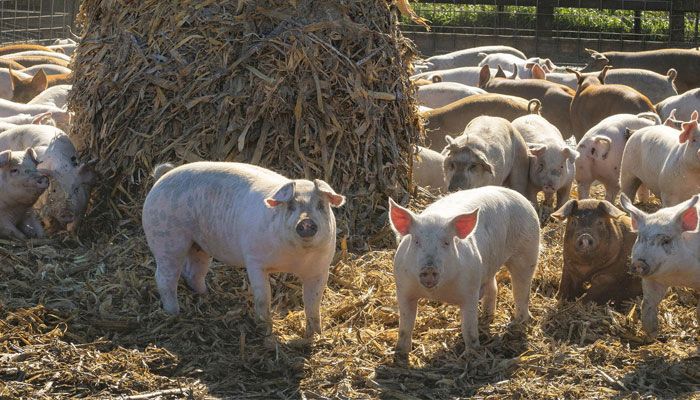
[(38, 21)]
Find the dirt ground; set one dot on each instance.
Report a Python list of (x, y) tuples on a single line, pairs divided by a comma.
[(83, 319)]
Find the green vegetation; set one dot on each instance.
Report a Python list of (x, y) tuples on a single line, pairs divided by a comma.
[(571, 22)]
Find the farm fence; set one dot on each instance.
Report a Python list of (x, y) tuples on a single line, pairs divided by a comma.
[(556, 28), (38, 21)]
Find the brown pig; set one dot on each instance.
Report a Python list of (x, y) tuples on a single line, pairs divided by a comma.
[(597, 246)]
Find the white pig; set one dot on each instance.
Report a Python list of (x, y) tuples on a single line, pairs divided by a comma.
[(452, 250), (551, 159), (684, 104), (242, 215), (666, 253), (21, 184), (463, 58), (49, 69), (55, 96), (465, 75), (427, 168), (11, 109), (665, 160), (443, 93), (601, 152)]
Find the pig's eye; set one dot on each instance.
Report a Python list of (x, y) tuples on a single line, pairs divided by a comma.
[(291, 207), (451, 166), (14, 170), (473, 167), (76, 190), (664, 240), (417, 242), (446, 243)]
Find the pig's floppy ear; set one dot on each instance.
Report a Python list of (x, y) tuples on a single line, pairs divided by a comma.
[(32, 155), (688, 216), (536, 149), (610, 209), (400, 218), (283, 194), (335, 199), (566, 210), (636, 214), (5, 158), (464, 224)]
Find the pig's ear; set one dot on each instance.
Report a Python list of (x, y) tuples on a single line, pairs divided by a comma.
[(603, 73), (40, 82), (485, 164), (335, 199), (283, 194), (484, 75), (688, 216), (570, 154), (87, 174), (5, 158), (549, 64), (464, 224), (536, 149), (499, 72), (694, 116), (401, 219), (601, 147), (538, 72), (579, 77), (687, 129), (566, 210), (32, 155), (610, 209), (636, 214), (44, 119)]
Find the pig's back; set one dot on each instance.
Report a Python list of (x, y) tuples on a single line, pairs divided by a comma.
[(648, 150), (507, 225)]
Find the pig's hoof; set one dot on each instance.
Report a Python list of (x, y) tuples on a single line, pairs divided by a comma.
[(400, 357)]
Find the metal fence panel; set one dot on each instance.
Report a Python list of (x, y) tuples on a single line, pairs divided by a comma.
[(38, 21)]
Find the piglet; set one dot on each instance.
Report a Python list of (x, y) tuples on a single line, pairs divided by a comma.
[(452, 250), (666, 253), (242, 215), (21, 184), (597, 246)]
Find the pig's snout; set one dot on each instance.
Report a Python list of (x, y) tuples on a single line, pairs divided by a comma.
[(307, 228), (586, 243), (549, 189), (42, 182), (456, 185), (429, 277), (66, 216), (639, 267)]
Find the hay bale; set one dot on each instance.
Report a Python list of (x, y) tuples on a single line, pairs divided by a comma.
[(307, 88)]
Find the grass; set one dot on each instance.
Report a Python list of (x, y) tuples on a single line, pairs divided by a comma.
[(568, 22)]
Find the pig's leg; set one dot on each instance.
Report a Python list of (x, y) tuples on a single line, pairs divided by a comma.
[(168, 269), (32, 226), (532, 191), (488, 298), (196, 268), (9, 230), (407, 320), (612, 188), (262, 294), (653, 294), (567, 286), (470, 320), (549, 199), (313, 288), (584, 191), (629, 184), (563, 194), (521, 269)]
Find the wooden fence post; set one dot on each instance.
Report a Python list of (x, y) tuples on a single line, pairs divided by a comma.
[(676, 22), (545, 18)]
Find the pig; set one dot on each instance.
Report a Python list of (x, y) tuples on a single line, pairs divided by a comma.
[(551, 160), (666, 253), (21, 184), (242, 215), (465, 75), (16, 48), (452, 250), (556, 99), (67, 49), (454, 117), (489, 152), (523, 66), (47, 118), (30, 61), (49, 69), (655, 86), (36, 53), (427, 168), (601, 150), (597, 243), (594, 101), (685, 61), (684, 104), (7, 82), (665, 160), (464, 58), (61, 79), (55, 96), (10, 109), (65, 202), (4, 64), (25, 89), (443, 93)]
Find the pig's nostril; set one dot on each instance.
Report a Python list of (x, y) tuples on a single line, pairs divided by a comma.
[(306, 228)]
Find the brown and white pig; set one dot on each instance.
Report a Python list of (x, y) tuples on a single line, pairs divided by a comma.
[(601, 150), (685, 61), (556, 99), (65, 202), (666, 253), (454, 117), (21, 184), (597, 245), (489, 152), (465, 75), (443, 93), (551, 160), (452, 250), (427, 168), (665, 160), (594, 101), (685, 105), (241, 215)]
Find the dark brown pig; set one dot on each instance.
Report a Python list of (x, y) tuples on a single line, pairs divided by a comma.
[(597, 246)]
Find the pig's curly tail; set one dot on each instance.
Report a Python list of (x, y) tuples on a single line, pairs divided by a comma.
[(161, 170)]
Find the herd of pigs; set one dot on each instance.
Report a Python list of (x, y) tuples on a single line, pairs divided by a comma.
[(495, 141)]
